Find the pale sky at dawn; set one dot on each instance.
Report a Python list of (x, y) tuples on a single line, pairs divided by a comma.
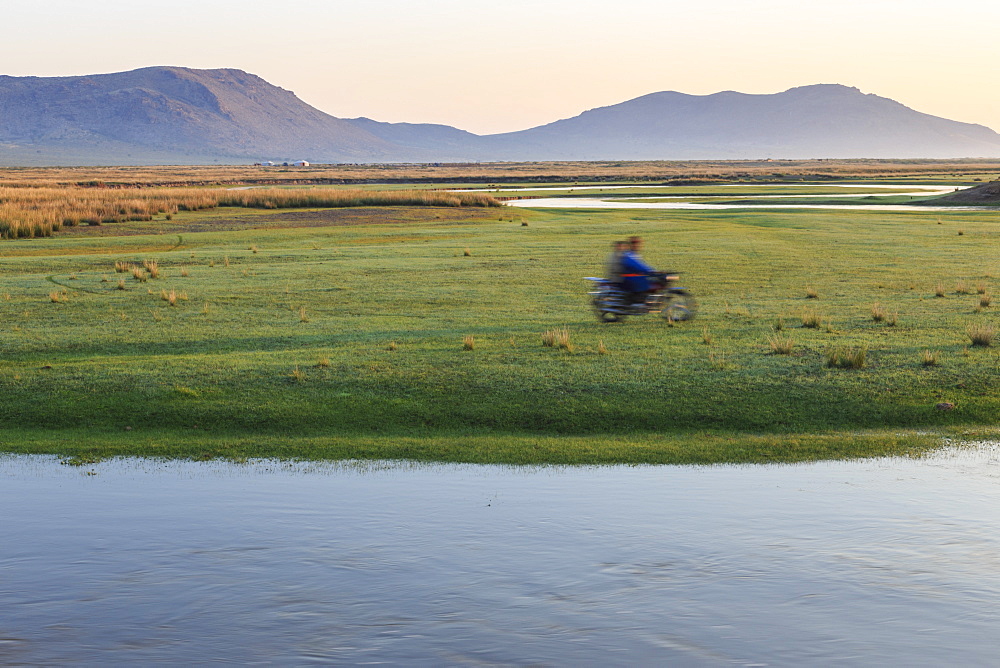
[(500, 66)]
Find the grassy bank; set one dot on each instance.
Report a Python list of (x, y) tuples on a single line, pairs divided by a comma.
[(334, 340)]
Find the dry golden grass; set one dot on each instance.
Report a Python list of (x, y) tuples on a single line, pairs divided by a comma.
[(981, 288), (939, 290), (38, 212), (811, 293), (139, 274), (985, 300), (58, 297), (929, 358), (468, 342), (302, 314), (601, 348)]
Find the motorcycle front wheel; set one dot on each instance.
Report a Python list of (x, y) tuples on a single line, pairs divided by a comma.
[(678, 306), (603, 307)]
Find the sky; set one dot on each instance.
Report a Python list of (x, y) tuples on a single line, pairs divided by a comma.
[(507, 65)]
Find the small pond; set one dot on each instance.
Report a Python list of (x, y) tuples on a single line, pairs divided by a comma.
[(892, 561)]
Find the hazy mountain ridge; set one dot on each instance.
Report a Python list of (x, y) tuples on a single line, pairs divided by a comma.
[(175, 114)]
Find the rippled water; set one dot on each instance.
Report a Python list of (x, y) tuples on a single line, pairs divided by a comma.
[(858, 563)]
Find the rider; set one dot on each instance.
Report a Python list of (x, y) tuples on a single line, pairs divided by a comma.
[(637, 276)]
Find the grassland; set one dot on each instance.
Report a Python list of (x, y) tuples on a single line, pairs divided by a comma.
[(500, 173), (328, 334)]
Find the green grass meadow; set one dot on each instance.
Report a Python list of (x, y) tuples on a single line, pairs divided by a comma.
[(315, 339)]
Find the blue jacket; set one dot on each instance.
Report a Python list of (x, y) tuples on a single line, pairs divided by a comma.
[(635, 272)]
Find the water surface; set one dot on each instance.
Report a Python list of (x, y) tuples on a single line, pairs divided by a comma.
[(891, 561)]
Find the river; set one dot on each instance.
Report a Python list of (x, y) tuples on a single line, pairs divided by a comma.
[(890, 561)]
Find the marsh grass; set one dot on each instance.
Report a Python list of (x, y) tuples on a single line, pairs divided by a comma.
[(847, 358), (981, 334)]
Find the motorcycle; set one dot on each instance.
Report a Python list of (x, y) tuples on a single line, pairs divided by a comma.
[(612, 303)]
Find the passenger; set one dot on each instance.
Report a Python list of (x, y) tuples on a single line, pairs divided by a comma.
[(614, 271)]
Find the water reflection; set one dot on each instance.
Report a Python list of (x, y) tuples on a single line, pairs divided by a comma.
[(823, 564)]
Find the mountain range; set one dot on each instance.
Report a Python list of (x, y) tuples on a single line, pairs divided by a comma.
[(176, 115)]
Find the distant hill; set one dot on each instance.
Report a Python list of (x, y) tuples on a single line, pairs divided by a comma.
[(188, 116), (178, 114), (820, 121)]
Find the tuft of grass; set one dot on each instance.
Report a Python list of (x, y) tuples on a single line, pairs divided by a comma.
[(961, 232), (781, 345), (811, 319), (169, 297), (981, 288), (562, 340), (157, 316), (392, 347), (253, 248), (297, 375), (225, 260), (847, 358), (206, 309), (58, 297), (878, 312), (717, 362), (892, 319), (601, 348), (121, 284), (985, 300), (139, 274), (929, 358), (468, 342), (467, 253), (323, 363), (706, 336), (811, 293), (939, 290), (981, 334), (779, 325), (153, 267), (961, 288), (549, 338), (185, 272), (302, 314)]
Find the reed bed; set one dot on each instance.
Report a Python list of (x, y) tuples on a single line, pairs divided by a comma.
[(38, 212)]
